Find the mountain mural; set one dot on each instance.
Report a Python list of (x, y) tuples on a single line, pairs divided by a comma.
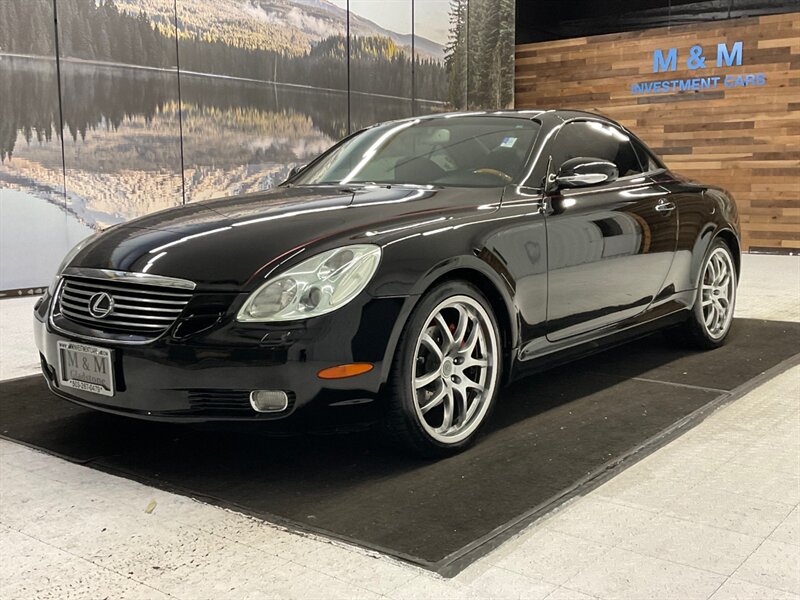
[(292, 26), (115, 129)]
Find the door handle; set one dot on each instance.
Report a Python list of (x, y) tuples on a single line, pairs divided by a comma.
[(665, 206)]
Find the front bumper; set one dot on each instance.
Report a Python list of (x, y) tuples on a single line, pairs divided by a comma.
[(209, 376)]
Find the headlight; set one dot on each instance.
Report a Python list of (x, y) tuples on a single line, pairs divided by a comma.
[(315, 287), (68, 259)]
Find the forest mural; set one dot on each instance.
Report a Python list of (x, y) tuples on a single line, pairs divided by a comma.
[(118, 108)]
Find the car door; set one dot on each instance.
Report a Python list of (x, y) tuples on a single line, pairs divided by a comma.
[(611, 245)]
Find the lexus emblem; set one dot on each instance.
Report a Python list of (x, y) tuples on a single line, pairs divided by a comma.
[(101, 305)]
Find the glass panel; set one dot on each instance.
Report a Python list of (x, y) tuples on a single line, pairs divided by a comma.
[(263, 90), (431, 35), (456, 54), (645, 157), (491, 54), (380, 61), (119, 92), (595, 140), (36, 228)]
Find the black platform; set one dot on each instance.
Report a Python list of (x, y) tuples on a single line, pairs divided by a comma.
[(552, 436)]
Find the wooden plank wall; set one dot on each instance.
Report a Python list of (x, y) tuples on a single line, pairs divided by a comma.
[(745, 139)]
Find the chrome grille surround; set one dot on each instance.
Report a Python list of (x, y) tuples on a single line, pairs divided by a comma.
[(140, 304)]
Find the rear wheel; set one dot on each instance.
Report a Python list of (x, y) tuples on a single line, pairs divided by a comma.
[(712, 315), (446, 372)]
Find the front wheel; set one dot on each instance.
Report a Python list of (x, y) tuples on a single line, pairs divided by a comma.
[(711, 318), (446, 372)]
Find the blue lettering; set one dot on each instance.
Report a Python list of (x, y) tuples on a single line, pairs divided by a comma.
[(734, 57), (666, 86), (665, 63), (696, 58)]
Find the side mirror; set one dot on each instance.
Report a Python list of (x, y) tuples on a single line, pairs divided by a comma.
[(585, 171), (295, 170)]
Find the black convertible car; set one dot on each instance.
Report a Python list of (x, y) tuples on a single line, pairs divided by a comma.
[(400, 278)]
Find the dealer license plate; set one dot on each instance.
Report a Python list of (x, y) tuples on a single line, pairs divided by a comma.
[(85, 368)]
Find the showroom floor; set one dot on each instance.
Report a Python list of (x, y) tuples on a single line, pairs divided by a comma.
[(713, 514)]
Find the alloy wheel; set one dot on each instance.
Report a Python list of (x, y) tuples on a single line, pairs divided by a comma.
[(718, 293), (454, 375)]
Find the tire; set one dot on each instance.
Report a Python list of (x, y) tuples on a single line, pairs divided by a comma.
[(450, 347), (711, 317)]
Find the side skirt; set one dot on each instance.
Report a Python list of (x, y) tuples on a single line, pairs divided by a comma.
[(548, 355)]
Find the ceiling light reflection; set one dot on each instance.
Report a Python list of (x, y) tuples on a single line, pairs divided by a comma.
[(152, 261), (186, 238)]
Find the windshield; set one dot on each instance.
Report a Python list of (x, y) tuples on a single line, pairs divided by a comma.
[(454, 151)]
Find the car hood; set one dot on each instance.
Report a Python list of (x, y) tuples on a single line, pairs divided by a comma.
[(228, 243)]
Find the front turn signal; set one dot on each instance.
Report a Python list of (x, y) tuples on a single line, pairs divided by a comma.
[(344, 371)]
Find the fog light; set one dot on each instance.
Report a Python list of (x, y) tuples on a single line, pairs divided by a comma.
[(268, 400)]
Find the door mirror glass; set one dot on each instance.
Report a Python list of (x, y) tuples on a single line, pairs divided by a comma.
[(295, 170), (585, 171)]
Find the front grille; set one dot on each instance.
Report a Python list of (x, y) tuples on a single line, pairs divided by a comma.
[(147, 310)]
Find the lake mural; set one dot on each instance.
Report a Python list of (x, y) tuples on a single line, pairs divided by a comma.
[(132, 106)]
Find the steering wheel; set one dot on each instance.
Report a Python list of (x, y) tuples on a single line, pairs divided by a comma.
[(504, 176)]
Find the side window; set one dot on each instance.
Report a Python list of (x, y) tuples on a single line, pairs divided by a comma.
[(646, 159), (596, 140)]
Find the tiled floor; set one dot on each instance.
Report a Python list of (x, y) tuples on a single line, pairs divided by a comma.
[(712, 515)]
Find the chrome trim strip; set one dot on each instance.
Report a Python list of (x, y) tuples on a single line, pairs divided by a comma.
[(82, 303), (69, 297), (91, 320), (172, 312), (130, 277), (76, 309), (117, 296), (149, 295)]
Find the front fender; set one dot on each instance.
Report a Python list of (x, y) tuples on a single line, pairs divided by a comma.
[(476, 269)]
